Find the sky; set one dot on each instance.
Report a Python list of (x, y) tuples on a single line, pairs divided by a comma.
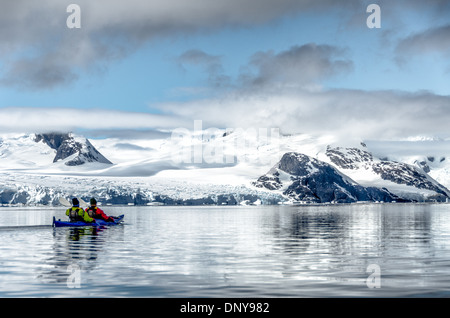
[(302, 66)]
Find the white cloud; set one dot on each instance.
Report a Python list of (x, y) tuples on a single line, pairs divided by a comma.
[(25, 119), (345, 114)]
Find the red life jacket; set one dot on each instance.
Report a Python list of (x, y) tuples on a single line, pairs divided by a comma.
[(96, 213)]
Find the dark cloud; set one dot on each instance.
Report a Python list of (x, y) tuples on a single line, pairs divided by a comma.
[(211, 64), (435, 40), (199, 57), (38, 73), (297, 66)]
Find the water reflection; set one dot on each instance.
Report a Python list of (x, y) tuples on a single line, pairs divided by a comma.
[(304, 251), (74, 248), (338, 243), (346, 228)]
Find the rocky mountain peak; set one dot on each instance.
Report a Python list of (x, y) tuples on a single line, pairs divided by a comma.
[(80, 150)]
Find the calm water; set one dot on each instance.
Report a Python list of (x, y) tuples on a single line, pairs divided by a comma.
[(315, 251)]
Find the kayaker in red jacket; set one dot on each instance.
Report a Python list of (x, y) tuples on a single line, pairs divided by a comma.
[(97, 213)]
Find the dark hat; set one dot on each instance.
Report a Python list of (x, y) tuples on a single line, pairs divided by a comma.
[(75, 202), (93, 201)]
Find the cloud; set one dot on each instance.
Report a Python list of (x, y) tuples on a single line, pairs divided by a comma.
[(129, 132), (298, 66), (345, 114), (434, 40), (301, 66), (38, 51), (30, 120), (39, 73), (128, 146), (212, 66)]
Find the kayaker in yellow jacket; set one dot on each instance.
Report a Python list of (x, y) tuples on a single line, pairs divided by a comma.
[(75, 213)]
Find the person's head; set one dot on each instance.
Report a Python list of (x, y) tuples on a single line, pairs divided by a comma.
[(93, 202), (75, 202)]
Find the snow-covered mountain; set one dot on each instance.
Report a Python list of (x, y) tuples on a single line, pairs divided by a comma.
[(308, 180), (47, 151), (215, 167), (72, 150), (405, 180)]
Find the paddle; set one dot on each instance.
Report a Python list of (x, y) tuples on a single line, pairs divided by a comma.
[(64, 202), (83, 203)]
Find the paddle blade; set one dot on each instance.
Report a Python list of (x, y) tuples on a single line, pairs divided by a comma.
[(64, 202), (83, 203)]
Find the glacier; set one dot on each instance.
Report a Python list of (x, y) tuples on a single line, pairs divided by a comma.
[(37, 169)]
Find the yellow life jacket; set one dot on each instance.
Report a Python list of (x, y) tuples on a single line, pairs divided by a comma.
[(92, 212), (74, 214)]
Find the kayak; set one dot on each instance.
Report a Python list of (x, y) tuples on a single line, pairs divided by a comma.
[(59, 223)]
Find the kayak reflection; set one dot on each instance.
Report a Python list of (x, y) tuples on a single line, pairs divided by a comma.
[(76, 247)]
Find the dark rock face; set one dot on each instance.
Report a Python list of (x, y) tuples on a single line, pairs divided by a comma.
[(7, 196), (423, 165), (53, 140), (66, 146), (307, 179)]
